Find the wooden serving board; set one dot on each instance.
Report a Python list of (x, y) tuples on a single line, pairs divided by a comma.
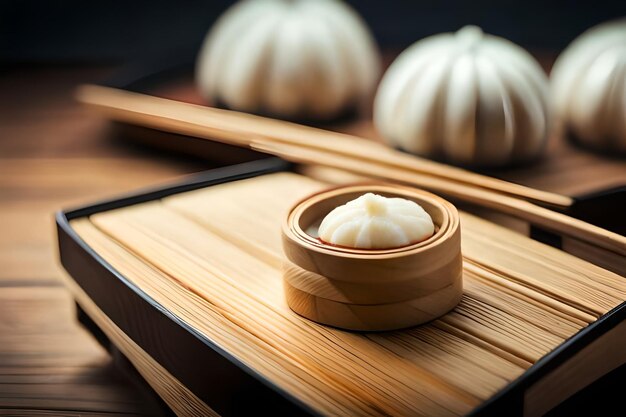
[(187, 283)]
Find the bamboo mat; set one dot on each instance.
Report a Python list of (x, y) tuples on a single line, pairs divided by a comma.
[(212, 257)]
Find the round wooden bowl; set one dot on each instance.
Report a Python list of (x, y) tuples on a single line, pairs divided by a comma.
[(360, 289)]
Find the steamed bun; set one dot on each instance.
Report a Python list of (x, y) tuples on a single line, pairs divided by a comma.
[(376, 222)]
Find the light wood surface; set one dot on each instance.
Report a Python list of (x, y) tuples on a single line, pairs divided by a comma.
[(521, 299)]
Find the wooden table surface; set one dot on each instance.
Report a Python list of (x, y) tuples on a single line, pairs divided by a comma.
[(53, 155)]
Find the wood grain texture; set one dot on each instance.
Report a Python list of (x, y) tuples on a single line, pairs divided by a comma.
[(53, 155), (513, 311), (48, 363)]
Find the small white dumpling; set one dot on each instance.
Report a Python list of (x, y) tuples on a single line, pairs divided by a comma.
[(376, 222), (589, 87), (469, 97), (307, 59)]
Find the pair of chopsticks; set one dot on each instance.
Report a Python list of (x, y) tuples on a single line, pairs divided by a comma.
[(302, 144)]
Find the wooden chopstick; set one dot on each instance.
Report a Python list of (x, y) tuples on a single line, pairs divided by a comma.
[(240, 128), (309, 145), (521, 209)]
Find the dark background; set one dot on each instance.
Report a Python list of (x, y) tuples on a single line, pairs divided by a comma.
[(106, 31)]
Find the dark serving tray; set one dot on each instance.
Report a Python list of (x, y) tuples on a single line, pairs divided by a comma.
[(222, 381)]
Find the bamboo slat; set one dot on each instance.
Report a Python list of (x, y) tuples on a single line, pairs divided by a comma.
[(212, 257)]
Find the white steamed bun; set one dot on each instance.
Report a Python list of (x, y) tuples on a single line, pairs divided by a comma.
[(376, 222)]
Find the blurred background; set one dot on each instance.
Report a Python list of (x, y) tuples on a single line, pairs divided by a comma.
[(93, 31)]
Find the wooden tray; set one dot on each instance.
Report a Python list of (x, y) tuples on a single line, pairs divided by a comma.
[(525, 336)]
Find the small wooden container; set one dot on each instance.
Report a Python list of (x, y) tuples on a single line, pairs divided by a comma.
[(371, 290)]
